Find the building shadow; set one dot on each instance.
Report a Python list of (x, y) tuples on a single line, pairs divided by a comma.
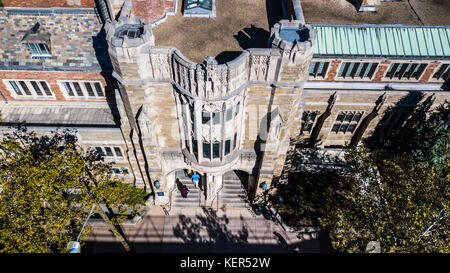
[(252, 37), (227, 56), (355, 3), (274, 12), (393, 130)]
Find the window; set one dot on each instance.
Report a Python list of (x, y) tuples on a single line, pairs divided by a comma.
[(83, 89), (216, 149), (109, 151), (216, 117), (227, 146), (206, 116), (39, 50), (318, 69), (405, 70), (206, 4), (391, 121), (230, 113), (308, 119), (443, 72), (346, 122), (31, 88), (194, 146), (357, 70), (237, 108), (206, 150), (118, 172)]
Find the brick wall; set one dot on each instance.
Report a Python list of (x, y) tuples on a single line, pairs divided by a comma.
[(52, 77), (49, 3)]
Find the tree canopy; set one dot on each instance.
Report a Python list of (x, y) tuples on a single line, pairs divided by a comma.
[(396, 193), (48, 185)]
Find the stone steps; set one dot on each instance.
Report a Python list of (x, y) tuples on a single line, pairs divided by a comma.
[(192, 199), (233, 195)]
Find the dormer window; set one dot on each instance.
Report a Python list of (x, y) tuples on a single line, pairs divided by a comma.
[(39, 50), (199, 8), (38, 42)]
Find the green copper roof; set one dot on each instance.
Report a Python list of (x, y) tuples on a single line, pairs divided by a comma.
[(389, 41)]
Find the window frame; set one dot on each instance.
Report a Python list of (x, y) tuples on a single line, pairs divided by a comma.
[(96, 87), (315, 67), (404, 67), (38, 51), (30, 90), (353, 72), (112, 149), (441, 76), (344, 125)]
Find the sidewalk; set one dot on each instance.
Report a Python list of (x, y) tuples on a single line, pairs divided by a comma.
[(145, 237), (201, 230), (231, 231)]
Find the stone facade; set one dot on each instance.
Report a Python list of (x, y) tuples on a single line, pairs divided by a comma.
[(164, 113)]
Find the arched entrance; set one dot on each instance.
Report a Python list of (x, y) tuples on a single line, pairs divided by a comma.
[(182, 178), (235, 190)]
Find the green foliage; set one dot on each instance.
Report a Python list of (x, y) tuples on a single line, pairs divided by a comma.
[(397, 193), (430, 144), (38, 212), (306, 195), (392, 200)]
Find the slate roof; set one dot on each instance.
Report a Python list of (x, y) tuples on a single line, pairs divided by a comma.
[(77, 42), (58, 115), (386, 41)]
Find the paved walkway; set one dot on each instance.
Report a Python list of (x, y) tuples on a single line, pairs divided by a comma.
[(198, 230)]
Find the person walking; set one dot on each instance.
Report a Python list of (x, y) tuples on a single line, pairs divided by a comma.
[(195, 179), (184, 191)]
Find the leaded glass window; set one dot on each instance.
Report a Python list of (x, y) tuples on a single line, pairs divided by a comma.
[(346, 122)]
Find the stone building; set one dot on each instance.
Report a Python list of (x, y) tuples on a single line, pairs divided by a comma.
[(97, 67)]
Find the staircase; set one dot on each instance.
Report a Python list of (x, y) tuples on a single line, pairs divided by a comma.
[(193, 197), (233, 194)]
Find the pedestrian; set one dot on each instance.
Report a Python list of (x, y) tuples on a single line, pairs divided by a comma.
[(184, 191), (195, 179)]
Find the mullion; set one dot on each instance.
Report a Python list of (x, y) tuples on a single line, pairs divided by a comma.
[(316, 68), (392, 70), (89, 89), (441, 71), (69, 89), (78, 89), (344, 69), (25, 88), (16, 88), (410, 71), (323, 72), (99, 90), (419, 71), (362, 70), (46, 89), (36, 88), (401, 71), (354, 69)]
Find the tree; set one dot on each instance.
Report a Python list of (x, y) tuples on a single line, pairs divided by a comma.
[(48, 185), (393, 200)]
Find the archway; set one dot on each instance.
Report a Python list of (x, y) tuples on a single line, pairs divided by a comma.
[(179, 178), (235, 189)]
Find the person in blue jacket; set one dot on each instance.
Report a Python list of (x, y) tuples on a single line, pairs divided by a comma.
[(195, 179)]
